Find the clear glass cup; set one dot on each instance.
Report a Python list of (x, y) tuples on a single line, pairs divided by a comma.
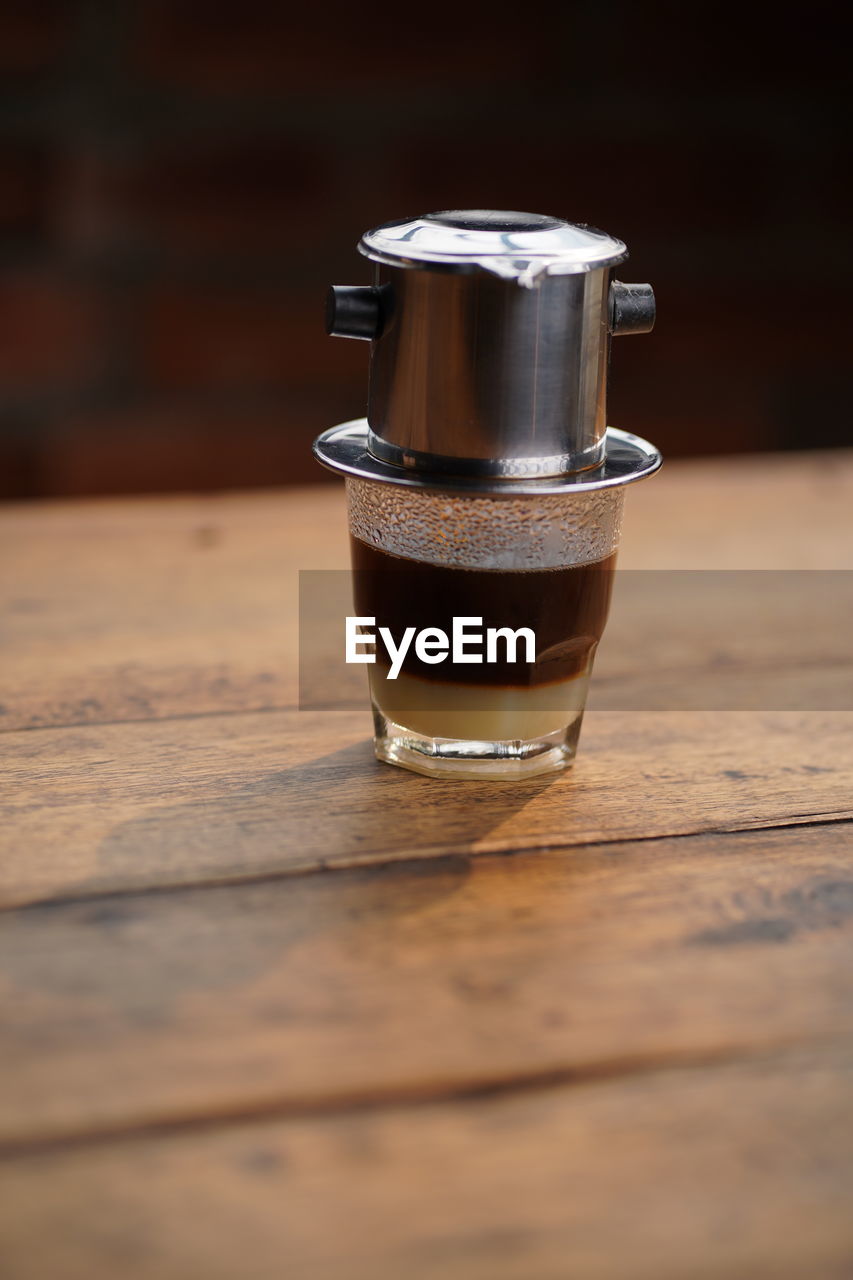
[(543, 562)]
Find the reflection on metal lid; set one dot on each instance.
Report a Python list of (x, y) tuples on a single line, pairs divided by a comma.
[(505, 242)]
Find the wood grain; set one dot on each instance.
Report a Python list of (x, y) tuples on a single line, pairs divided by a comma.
[(157, 607), (623, 1051), (403, 981), (739, 1170), (105, 807)]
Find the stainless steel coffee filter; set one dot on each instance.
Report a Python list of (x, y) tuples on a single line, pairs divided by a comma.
[(489, 335)]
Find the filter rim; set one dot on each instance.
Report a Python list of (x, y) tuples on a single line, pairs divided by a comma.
[(628, 458)]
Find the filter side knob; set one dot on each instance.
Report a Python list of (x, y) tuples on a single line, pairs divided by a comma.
[(632, 308), (354, 311)]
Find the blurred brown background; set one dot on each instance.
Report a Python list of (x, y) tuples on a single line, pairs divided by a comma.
[(179, 182)]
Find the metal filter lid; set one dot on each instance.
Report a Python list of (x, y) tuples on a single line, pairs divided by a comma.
[(517, 246), (489, 334)]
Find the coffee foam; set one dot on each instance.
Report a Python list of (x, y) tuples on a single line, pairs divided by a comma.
[(549, 531)]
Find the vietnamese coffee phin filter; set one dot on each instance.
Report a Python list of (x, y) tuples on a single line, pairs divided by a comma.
[(484, 487)]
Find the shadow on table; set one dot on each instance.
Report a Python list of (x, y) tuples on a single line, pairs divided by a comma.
[(400, 843), (339, 809)]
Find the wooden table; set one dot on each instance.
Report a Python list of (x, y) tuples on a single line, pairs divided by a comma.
[(271, 1009)]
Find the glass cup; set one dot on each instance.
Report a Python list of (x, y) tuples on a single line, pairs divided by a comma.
[(494, 705)]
